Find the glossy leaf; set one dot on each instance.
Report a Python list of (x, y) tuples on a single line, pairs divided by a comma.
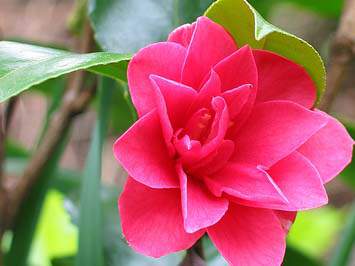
[(128, 25), (90, 219), (248, 27), (328, 8), (23, 66)]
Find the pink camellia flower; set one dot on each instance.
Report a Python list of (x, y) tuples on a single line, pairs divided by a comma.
[(227, 143)]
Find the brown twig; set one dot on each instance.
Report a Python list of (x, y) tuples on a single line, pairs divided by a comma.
[(341, 54)]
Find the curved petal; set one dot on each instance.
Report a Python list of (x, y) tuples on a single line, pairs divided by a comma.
[(182, 34), (152, 221), (329, 150), (286, 219), (210, 89), (200, 208), (144, 154), (300, 182), (249, 236), (238, 69), (203, 53), (177, 99), (282, 79), (215, 161), (246, 183), (164, 59), (197, 124), (236, 99), (274, 130)]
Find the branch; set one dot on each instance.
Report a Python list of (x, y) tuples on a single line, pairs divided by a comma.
[(341, 54)]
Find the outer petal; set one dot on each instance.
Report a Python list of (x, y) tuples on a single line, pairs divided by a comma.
[(182, 34), (329, 150), (200, 208), (274, 130), (300, 182), (282, 79), (247, 183), (249, 236), (164, 59), (152, 220), (210, 43), (144, 155)]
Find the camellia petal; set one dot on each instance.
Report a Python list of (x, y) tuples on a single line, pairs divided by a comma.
[(246, 182), (299, 180), (164, 59), (152, 221), (286, 219), (249, 236), (177, 99), (202, 53), (200, 208), (182, 34), (281, 79), (210, 89), (274, 130), (330, 149), (143, 153), (238, 69)]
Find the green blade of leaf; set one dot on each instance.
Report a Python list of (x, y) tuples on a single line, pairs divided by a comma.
[(346, 244), (90, 220), (151, 20), (30, 210), (23, 66), (248, 27)]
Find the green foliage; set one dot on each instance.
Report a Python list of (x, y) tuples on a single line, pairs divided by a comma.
[(30, 210), (344, 248), (23, 66), (314, 231), (248, 27), (90, 220), (328, 8), (127, 25)]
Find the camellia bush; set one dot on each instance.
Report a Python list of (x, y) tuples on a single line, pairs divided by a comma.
[(219, 125)]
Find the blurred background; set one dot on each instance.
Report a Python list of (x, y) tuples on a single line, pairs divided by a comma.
[(52, 239)]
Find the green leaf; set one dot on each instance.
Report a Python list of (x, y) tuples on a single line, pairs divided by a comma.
[(128, 25), (328, 8), (90, 219), (294, 257), (30, 210), (344, 248), (123, 113), (248, 27), (23, 66)]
